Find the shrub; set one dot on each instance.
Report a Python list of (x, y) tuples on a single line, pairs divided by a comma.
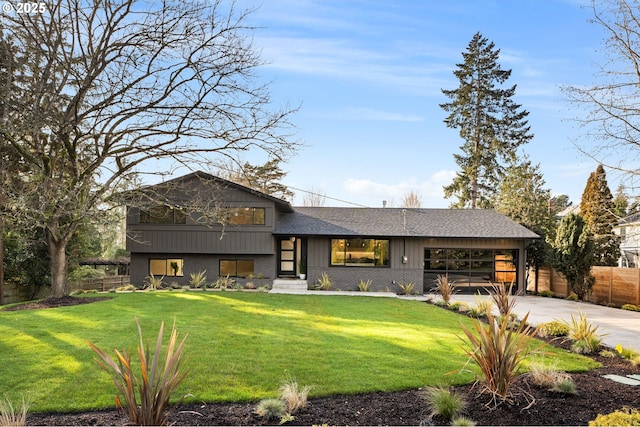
[(459, 306), (154, 283), (444, 287), (127, 288), (12, 416), (364, 285), (572, 297), (501, 297), (462, 422), (406, 288), (84, 272), (545, 376), (546, 293), (624, 417), (499, 352), (198, 280), (554, 328), (481, 308), (160, 377), (629, 354), (271, 409), (566, 386), (324, 282), (631, 307), (223, 283), (293, 396), (444, 402), (584, 335)]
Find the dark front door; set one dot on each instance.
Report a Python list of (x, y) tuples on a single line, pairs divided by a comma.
[(287, 257)]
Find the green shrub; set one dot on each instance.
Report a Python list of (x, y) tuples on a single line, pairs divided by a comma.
[(566, 386), (554, 328), (546, 293), (364, 285), (459, 306), (482, 307), (12, 416), (584, 335), (84, 272), (325, 282), (499, 352), (444, 287), (463, 422), (631, 307), (198, 280), (406, 288), (127, 288), (624, 417), (572, 297), (160, 377), (271, 409), (444, 402)]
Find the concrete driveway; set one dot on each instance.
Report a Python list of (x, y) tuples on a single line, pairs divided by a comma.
[(618, 326)]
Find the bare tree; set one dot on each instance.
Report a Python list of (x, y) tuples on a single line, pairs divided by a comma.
[(314, 198), (612, 126), (411, 200), (113, 89)]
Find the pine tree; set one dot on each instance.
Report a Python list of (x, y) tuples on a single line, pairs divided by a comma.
[(598, 210), (491, 124)]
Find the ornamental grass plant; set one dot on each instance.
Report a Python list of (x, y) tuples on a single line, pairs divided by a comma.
[(159, 376)]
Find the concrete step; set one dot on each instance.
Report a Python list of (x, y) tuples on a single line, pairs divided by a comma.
[(289, 285)]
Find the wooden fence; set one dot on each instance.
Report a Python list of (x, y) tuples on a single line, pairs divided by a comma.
[(102, 284), (613, 286)]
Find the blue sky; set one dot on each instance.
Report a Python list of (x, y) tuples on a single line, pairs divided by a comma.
[(368, 75)]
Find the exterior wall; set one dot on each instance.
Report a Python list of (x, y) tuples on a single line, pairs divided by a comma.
[(264, 265), (629, 245), (385, 278)]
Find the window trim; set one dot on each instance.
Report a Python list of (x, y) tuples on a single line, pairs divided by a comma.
[(255, 219), (146, 216), (169, 271)]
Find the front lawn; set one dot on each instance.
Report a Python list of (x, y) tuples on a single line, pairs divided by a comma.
[(241, 346)]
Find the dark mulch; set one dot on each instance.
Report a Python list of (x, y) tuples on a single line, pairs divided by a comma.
[(596, 395)]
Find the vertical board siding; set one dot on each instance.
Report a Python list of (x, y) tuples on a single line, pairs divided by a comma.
[(613, 285)]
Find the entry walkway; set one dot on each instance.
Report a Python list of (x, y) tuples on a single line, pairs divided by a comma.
[(616, 325)]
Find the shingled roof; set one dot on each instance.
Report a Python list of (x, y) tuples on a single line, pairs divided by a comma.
[(398, 222)]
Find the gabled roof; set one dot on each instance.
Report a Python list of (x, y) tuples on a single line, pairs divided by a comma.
[(631, 219), (398, 222), (282, 204)]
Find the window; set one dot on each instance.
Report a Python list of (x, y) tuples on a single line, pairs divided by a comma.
[(166, 267), (246, 216), (471, 266), (360, 252), (162, 215), (236, 267)]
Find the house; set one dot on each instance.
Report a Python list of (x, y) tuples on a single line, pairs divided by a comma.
[(629, 231), (256, 235)]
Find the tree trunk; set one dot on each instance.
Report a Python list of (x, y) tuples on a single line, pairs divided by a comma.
[(58, 256)]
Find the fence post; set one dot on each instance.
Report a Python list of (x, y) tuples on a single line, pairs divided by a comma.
[(610, 284)]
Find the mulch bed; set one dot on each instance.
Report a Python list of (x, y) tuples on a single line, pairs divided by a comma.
[(596, 395)]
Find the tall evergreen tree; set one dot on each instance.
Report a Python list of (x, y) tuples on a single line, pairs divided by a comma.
[(491, 124), (598, 210), (573, 254), (620, 203)]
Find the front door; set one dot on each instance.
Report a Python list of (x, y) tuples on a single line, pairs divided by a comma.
[(287, 257)]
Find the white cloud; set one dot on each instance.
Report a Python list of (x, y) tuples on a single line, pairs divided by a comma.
[(372, 193)]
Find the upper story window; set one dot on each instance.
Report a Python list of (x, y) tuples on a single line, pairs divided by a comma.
[(246, 216), (162, 215), (360, 252)]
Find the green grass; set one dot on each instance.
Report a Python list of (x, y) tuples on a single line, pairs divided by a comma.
[(241, 346)]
